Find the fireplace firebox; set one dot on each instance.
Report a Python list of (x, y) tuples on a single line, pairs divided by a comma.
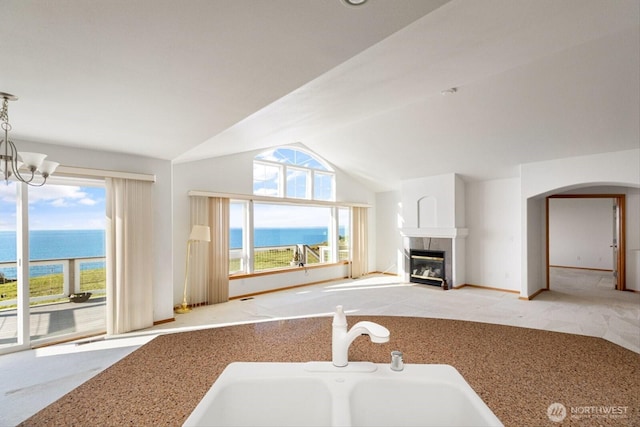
[(427, 267)]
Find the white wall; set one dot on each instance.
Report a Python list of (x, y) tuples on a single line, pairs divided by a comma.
[(234, 174), (494, 241), (288, 278), (389, 252), (534, 248), (633, 239), (506, 245), (614, 168), (539, 179), (439, 197), (162, 203), (581, 233)]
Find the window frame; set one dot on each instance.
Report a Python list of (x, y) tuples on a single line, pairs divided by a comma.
[(248, 249), (283, 175), (280, 185)]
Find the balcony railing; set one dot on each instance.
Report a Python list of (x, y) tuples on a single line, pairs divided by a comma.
[(54, 279), (274, 257)]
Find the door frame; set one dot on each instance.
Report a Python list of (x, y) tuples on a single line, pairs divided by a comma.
[(24, 339), (622, 212)]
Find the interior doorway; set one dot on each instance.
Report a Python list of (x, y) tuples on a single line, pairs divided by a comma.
[(610, 224)]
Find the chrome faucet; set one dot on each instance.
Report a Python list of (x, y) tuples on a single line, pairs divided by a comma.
[(341, 339)]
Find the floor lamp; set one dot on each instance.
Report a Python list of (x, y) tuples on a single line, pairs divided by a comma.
[(199, 233)]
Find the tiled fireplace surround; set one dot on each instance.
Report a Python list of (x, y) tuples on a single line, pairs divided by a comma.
[(433, 219)]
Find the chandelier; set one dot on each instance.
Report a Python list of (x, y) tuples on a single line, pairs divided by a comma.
[(22, 166)]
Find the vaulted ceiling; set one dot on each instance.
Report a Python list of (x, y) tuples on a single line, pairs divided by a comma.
[(360, 86)]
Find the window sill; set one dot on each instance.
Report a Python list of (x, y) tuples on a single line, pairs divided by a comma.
[(284, 270)]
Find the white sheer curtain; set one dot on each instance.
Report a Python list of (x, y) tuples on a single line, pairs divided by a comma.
[(219, 254), (359, 232), (198, 292), (129, 260)]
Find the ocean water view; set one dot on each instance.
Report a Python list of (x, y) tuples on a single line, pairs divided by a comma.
[(265, 237), (53, 244), (64, 244)]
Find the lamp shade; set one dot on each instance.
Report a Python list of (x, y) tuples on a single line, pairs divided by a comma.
[(32, 160), (200, 232), (48, 167)]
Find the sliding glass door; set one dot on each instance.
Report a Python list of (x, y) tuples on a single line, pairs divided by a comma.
[(8, 271), (59, 293)]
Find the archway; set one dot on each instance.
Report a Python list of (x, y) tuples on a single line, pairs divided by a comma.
[(535, 247)]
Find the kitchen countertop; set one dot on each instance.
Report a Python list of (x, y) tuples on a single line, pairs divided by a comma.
[(518, 372)]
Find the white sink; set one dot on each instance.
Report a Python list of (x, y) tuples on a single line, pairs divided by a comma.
[(265, 402), (360, 394)]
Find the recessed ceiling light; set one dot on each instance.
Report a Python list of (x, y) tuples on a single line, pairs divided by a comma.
[(354, 2)]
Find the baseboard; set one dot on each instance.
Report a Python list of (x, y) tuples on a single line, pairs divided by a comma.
[(581, 268), (268, 291), (530, 297), (385, 273), (485, 287), (78, 338)]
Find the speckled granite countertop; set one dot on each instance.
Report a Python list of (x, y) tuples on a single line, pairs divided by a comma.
[(518, 372)]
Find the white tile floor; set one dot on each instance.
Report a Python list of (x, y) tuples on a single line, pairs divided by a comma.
[(580, 302)]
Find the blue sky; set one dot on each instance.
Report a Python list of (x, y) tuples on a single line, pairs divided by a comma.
[(55, 207), (60, 207), (287, 216)]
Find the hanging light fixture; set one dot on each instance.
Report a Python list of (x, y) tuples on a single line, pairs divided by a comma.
[(354, 2), (11, 162)]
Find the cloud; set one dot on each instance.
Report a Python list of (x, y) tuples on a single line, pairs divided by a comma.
[(54, 192), (60, 196), (59, 203), (87, 202), (53, 207)]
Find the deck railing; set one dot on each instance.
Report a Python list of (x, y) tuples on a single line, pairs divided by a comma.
[(57, 279), (273, 257)]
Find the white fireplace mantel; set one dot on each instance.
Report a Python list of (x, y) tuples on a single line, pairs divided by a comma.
[(451, 233)]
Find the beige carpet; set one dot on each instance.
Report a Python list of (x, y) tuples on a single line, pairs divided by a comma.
[(518, 372)]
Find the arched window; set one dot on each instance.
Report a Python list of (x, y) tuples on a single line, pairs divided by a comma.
[(270, 234), (293, 173)]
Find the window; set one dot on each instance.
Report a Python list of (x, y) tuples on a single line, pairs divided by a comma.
[(238, 234), (267, 235), (266, 179), (285, 235), (344, 234), (9, 289), (298, 181), (323, 186), (292, 173)]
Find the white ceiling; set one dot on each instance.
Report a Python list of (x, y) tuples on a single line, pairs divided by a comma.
[(360, 86)]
